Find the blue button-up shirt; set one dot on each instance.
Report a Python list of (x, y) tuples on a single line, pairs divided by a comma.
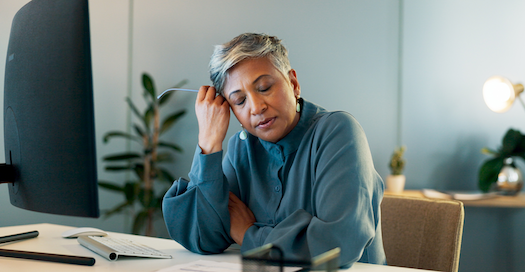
[(314, 190)]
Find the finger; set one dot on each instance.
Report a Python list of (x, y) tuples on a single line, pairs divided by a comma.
[(225, 102), (233, 197), (201, 94), (210, 93), (231, 202), (216, 99)]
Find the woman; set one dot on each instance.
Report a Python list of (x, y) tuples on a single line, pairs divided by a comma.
[(296, 175)]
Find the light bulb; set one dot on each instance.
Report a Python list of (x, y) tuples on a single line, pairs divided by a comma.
[(498, 93)]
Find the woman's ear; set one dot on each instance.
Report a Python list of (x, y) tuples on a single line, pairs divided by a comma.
[(292, 75)]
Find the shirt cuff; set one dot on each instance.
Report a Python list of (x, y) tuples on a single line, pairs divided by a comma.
[(254, 237), (206, 167)]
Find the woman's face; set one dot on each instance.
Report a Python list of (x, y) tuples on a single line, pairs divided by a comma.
[(262, 98)]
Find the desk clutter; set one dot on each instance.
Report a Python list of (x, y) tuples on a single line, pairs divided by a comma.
[(108, 247), (271, 258), (430, 193), (52, 242), (267, 258)]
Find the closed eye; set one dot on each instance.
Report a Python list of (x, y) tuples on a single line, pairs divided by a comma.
[(239, 101), (262, 90)]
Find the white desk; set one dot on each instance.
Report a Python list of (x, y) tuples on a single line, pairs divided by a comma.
[(50, 241)]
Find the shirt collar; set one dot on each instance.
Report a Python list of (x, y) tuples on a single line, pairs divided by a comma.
[(290, 143)]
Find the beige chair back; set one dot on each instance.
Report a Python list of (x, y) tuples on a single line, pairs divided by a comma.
[(422, 233)]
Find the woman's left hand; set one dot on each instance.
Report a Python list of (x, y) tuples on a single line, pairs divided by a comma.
[(241, 218)]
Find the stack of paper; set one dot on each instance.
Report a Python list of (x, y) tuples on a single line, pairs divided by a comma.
[(431, 193)]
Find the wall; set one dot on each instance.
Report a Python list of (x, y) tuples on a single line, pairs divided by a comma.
[(345, 55), (449, 49)]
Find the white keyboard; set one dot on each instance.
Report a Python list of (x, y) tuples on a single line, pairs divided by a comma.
[(111, 248)]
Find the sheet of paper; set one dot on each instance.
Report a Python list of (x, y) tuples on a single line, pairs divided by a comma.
[(204, 266), (208, 266)]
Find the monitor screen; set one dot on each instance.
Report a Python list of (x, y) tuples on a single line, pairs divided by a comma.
[(49, 126)]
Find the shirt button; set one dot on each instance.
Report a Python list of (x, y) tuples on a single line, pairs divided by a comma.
[(277, 188)]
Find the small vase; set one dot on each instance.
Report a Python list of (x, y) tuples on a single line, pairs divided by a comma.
[(510, 179), (395, 183)]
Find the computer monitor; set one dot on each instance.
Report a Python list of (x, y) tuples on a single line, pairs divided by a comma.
[(49, 123)]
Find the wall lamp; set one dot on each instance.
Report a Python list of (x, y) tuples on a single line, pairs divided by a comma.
[(499, 93)]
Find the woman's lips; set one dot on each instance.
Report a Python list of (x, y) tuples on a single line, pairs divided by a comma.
[(266, 123)]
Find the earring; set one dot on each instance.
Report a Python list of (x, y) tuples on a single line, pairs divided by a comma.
[(298, 107), (243, 134)]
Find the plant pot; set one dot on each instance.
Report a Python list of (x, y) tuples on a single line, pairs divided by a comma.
[(395, 183)]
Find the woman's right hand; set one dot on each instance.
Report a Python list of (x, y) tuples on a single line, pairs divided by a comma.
[(213, 115)]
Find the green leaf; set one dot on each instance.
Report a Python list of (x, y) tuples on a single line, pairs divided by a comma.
[(131, 191), (167, 96), (520, 148), (139, 221), (147, 198), (511, 140), (170, 145), (122, 157), (118, 168), (170, 120), (149, 86), (139, 170), (158, 204), (134, 109), (116, 209), (149, 115), (110, 186), (113, 134), (164, 175), (488, 151), (488, 173), (139, 130), (164, 157)]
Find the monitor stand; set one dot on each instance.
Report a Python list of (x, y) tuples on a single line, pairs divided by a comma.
[(7, 173)]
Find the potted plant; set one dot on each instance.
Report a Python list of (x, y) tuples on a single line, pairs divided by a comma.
[(142, 196), (395, 182), (513, 146)]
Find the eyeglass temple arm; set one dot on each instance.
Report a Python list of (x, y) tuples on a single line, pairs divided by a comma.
[(176, 89)]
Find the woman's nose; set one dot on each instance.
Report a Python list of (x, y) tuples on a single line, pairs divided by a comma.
[(257, 105)]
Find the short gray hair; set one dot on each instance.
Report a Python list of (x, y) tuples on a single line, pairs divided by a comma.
[(244, 46)]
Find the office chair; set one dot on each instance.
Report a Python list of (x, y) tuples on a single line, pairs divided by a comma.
[(422, 233)]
